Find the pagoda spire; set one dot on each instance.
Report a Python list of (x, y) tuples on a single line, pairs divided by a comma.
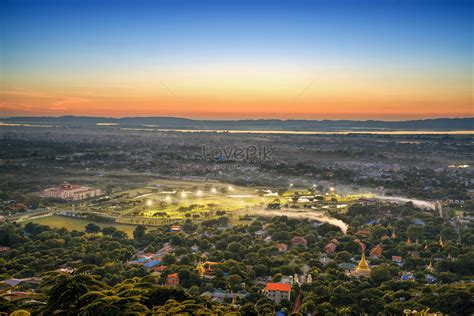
[(363, 267)]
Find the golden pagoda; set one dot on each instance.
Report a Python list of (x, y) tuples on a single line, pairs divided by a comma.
[(426, 246), (393, 234), (441, 243), (200, 269), (430, 267), (363, 268), (408, 241)]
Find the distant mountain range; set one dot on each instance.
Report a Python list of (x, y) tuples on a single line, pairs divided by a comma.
[(260, 124)]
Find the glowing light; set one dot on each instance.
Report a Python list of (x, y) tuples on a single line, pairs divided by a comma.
[(291, 184), (149, 202), (331, 189), (213, 190), (198, 193), (183, 195), (168, 198), (230, 188)]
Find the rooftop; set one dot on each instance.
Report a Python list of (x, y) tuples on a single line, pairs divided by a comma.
[(282, 287)]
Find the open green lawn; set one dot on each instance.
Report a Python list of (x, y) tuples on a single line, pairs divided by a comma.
[(57, 221)]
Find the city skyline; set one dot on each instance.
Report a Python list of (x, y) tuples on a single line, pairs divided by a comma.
[(389, 60)]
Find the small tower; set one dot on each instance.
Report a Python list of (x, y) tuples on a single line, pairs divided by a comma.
[(296, 278), (200, 269), (363, 268), (430, 267), (309, 279), (441, 242), (393, 234)]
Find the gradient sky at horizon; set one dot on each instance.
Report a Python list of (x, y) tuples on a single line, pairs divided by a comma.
[(351, 59)]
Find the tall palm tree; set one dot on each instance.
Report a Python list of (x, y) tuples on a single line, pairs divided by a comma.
[(123, 299), (65, 289)]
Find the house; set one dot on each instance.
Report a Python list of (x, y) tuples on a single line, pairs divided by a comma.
[(160, 268), (152, 263), (376, 252), (330, 248), (324, 260), (175, 228), (430, 278), (282, 247), (397, 259), (298, 240), (346, 266), (221, 296), (408, 276), (278, 292), (172, 280), (364, 232)]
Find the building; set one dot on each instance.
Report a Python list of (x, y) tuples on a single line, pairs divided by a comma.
[(364, 232), (397, 259), (278, 292), (362, 268), (330, 248), (221, 296), (376, 252), (175, 228), (67, 191), (172, 280), (282, 247), (298, 240)]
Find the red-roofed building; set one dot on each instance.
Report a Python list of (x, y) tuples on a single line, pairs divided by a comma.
[(172, 280), (160, 268), (278, 291), (330, 248), (364, 232), (376, 252), (397, 259), (282, 247), (298, 240)]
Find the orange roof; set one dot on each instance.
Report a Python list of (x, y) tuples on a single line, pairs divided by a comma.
[(173, 275), (282, 287), (160, 268)]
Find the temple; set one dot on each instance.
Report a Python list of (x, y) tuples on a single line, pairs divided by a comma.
[(362, 268)]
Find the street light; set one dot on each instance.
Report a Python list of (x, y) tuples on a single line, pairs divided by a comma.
[(198, 193), (149, 202)]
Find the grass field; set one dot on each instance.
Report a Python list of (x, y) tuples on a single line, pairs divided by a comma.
[(56, 221)]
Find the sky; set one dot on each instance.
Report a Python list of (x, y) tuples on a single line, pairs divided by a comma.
[(321, 59)]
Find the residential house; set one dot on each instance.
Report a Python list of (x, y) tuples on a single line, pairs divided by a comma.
[(278, 292)]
